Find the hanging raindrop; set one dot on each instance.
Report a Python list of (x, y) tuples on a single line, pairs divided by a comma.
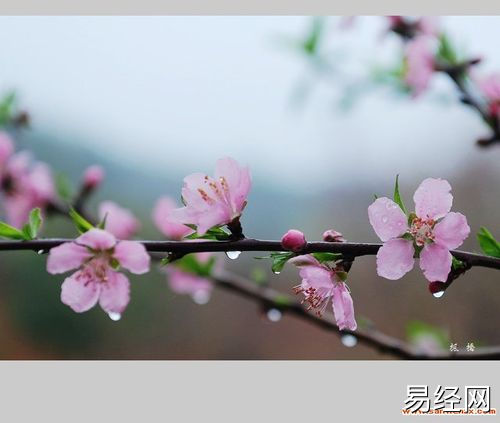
[(40, 252), (201, 297), (438, 294), (274, 315), (114, 316), (349, 340), (233, 255)]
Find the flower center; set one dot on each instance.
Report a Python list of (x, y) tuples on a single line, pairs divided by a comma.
[(316, 299), (421, 230)]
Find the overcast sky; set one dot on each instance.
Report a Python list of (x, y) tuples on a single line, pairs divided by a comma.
[(180, 92)]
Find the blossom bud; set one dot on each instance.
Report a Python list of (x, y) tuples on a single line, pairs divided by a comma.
[(333, 236), (93, 176), (293, 240)]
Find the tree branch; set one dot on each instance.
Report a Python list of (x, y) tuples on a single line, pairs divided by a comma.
[(368, 336), (350, 250)]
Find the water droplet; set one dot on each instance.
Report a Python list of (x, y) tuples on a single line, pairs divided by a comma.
[(438, 294), (276, 272), (384, 219), (349, 340), (274, 315), (40, 252), (233, 255), (201, 297), (114, 316)]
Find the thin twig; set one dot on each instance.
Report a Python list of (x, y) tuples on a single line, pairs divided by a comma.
[(368, 336)]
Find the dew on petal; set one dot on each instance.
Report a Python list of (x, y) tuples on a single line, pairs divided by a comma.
[(201, 297), (349, 340), (233, 255), (384, 219), (438, 294), (114, 316), (274, 315)]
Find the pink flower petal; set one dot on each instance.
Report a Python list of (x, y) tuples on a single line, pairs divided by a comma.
[(343, 307), (182, 282), (97, 239), (119, 221), (435, 262), (42, 183), (237, 178), (132, 256), (387, 219), (66, 257), (395, 258), (6, 147), (420, 64), (162, 217), (451, 231), (80, 293), (317, 277), (304, 260), (433, 199), (115, 293), (216, 215)]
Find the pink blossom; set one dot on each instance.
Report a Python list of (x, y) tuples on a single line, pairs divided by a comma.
[(6, 148), (96, 254), (320, 283), (333, 236), (26, 185), (420, 64), (119, 221), (432, 233), (93, 176), (293, 240), (429, 25), (214, 201), (489, 86), (182, 281), (165, 223)]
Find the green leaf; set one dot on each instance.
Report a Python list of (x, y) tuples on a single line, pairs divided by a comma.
[(311, 43), (342, 276), (446, 51), (416, 330), (191, 264), (397, 196), (258, 275), (279, 261), (215, 233), (7, 108), (9, 232), (488, 243), (457, 264), (102, 223), (35, 221), (80, 222), (325, 257), (63, 187)]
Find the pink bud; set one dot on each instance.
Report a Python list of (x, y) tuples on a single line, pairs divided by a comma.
[(333, 236), (93, 176), (293, 240)]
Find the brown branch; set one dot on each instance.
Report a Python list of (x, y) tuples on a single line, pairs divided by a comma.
[(367, 336)]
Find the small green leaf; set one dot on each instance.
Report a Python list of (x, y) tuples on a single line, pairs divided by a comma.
[(325, 257), (82, 225), (417, 330), (375, 196), (115, 264), (311, 43), (215, 233), (446, 51), (9, 232), (279, 261), (411, 218), (397, 197), (342, 276), (488, 243), (34, 222), (102, 223), (63, 187), (282, 300), (457, 264), (258, 275), (191, 264)]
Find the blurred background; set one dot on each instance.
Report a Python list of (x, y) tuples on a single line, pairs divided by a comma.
[(153, 99)]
